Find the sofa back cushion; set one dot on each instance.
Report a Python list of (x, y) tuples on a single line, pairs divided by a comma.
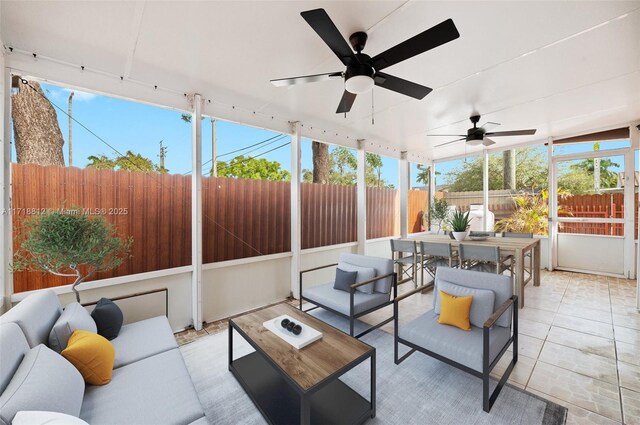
[(13, 347), (482, 306), (382, 266), (502, 286), (44, 381), (74, 316), (35, 315), (363, 274)]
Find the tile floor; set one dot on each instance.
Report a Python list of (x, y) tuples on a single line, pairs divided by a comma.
[(579, 344)]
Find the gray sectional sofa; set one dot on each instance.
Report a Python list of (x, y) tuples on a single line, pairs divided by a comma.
[(150, 383)]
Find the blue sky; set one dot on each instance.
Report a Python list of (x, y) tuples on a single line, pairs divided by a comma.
[(138, 127)]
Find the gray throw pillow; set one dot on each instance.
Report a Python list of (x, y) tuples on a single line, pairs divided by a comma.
[(74, 316), (482, 306), (364, 274), (344, 280), (44, 381)]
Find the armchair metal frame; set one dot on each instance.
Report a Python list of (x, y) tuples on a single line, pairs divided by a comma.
[(487, 398), (352, 317)]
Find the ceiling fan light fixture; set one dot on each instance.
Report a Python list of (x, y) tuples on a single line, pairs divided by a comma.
[(359, 84)]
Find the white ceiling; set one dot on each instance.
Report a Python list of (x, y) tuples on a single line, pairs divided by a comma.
[(560, 67)]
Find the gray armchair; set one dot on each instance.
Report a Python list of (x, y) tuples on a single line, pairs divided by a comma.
[(494, 326), (371, 292)]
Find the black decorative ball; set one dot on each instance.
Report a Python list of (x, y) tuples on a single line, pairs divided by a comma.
[(284, 323), (297, 329), (290, 326)]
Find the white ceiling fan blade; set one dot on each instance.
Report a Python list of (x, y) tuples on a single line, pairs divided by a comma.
[(488, 142), (489, 124), (448, 143)]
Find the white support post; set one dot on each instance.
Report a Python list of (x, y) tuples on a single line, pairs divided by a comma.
[(432, 189), (552, 203), (6, 277), (485, 191), (214, 149), (630, 259), (196, 211), (404, 180), (296, 241), (361, 198)]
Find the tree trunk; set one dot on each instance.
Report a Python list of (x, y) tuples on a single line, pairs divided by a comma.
[(36, 131), (509, 169), (320, 162)]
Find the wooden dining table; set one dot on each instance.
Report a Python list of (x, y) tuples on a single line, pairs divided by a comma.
[(516, 247)]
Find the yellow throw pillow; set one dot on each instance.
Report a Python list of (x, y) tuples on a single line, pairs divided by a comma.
[(454, 310), (92, 355)]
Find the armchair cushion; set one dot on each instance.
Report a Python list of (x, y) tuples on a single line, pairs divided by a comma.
[(455, 310), (483, 304), (363, 274), (74, 316), (464, 347), (344, 280), (383, 266), (339, 300)]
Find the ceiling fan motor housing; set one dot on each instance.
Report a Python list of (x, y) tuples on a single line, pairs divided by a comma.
[(475, 133), (363, 73)]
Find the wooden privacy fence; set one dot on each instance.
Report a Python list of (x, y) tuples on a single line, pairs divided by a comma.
[(241, 218)]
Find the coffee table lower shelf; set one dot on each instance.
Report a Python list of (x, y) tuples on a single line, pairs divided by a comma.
[(279, 403)]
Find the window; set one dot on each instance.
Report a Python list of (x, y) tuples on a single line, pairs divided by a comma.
[(418, 202)]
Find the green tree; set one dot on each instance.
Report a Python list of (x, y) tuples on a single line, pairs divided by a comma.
[(608, 178), (374, 170), (246, 167), (531, 172), (575, 181), (129, 161), (69, 243)]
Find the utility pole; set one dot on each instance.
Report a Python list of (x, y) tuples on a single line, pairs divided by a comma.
[(70, 129), (214, 160), (163, 153)]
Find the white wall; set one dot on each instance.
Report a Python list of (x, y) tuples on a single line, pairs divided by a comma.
[(591, 252), (244, 285)]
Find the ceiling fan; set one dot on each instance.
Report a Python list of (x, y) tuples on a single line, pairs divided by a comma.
[(480, 136), (363, 71)]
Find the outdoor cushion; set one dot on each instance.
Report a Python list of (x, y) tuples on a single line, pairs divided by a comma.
[(74, 316), (43, 381), (464, 347), (92, 355), (108, 318), (35, 315), (344, 280), (502, 286), (364, 274), (383, 266), (13, 347), (156, 390), (31, 417), (455, 310), (139, 340), (483, 304), (339, 300)]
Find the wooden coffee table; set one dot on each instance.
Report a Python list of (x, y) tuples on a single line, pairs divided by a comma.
[(291, 386)]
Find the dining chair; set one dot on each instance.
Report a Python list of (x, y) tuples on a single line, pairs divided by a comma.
[(483, 258), (434, 255), (405, 257), (527, 255)]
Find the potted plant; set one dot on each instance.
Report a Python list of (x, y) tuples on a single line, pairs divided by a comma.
[(70, 244), (438, 212), (459, 224)]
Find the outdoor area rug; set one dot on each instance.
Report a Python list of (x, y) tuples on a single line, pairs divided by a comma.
[(421, 390)]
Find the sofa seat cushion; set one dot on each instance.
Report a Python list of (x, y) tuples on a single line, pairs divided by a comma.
[(139, 340), (44, 381), (339, 300), (156, 390), (464, 347), (35, 315)]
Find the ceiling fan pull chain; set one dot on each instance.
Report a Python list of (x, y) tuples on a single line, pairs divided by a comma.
[(372, 109)]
